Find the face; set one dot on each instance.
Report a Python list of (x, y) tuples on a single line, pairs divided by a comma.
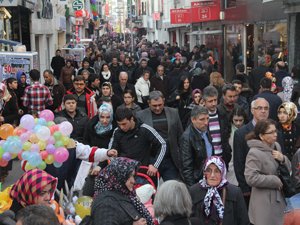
[(96, 83), (130, 182), (213, 175), (144, 64), (282, 116), (146, 76), (58, 53), (160, 71), (229, 97), (128, 99), (238, 121), (270, 136), (105, 91), (48, 78), (157, 106), (104, 118), (44, 197), (68, 64), (238, 88), (197, 98), (127, 62), (186, 84), (126, 125), (79, 86), (211, 103), (86, 75), (123, 78), (86, 64), (23, 79), (114, 61), (105, 68), (201, 122), (261, 110), (70, 106), (13, 85)]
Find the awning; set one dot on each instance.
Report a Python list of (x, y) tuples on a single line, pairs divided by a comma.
[(9, 42), (201, 32)]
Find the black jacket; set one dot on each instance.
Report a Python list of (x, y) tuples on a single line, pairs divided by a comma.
[(78, 123), (92, 138), (137, 144), (118, 91), (57, 63), (193, 155), (111, 207), (57, 92), (180, 220), (10, 110), (235, 208)]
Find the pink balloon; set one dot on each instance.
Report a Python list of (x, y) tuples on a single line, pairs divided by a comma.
[(27, 122), (61, 155), (25, 136), (66, 128), (51, 140), (47, 115)]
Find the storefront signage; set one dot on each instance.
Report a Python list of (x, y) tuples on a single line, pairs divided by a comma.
[(179, 16), (77, 5), (203, 11), (156, 16)]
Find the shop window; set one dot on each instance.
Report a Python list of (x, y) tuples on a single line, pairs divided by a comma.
[(230, 3)]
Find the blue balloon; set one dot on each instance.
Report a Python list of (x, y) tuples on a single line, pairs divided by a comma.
[(36, 128), (34, 159), (57, 164), (16, 146), (26, 155), (7, 146), (42, 122)]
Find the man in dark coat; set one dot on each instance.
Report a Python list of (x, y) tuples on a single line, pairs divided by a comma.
[(57, 63), (273, 99), (56, 89), (167, 123), (159, 81), (280, 73), (123, 85)]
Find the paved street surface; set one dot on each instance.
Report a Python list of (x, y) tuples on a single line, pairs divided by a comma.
[(13, 175)]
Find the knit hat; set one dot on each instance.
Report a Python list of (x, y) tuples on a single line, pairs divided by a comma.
[(145, 192)]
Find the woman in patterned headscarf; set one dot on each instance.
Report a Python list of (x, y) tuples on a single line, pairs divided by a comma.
[(34, 187), (215, 201), (115, 200), (288, 85), (287, 113)]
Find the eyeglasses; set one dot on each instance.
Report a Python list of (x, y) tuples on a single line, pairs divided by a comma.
[(271, 132), (260, 108)]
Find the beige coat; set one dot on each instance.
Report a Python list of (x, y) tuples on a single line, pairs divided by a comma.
[(267, 203)]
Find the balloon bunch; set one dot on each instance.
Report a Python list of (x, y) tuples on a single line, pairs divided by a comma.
[(94, 9), (38, 141)]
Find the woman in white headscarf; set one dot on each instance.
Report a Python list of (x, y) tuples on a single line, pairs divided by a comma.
[(215, 201), (288, 85)]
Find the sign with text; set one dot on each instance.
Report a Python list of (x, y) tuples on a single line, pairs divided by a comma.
[(179, 16), (156, 16), (77, 5), (203, 11)]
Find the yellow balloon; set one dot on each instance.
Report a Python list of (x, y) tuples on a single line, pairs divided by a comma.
[(49, 159), (42, 145), (33, 138), (83, 206), (65, 140)]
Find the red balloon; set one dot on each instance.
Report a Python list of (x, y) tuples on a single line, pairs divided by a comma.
[(3, 163)]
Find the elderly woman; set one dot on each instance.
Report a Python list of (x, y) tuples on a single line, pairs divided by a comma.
[(34, 187), (215, 201), (100, 129), (170, 210), (142, 89), (267, 202), (116, 201), (287, 113)]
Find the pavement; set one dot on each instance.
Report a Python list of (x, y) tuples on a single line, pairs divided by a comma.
[(13, 175)]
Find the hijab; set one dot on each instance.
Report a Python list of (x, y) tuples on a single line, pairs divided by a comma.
[(30, 185), (6, 96), (113, 178), (291, 109), (288, 85), (99, 127), (212, 196)]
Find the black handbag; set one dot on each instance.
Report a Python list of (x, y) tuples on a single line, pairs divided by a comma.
[(288, 188)]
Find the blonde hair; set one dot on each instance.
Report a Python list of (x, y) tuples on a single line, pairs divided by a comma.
[(216, 79)]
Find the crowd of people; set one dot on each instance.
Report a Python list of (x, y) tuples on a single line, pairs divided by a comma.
[(216, 144)]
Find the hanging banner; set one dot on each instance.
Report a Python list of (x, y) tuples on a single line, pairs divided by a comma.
[(156, 16), (203, 11), (179, 16)]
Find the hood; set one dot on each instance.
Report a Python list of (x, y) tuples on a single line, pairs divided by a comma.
[(258, 144)]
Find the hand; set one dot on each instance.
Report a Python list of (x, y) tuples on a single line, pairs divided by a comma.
[(152, 170), (177, 97), (112, 153), (278, 155), (141, 221), (246, 194), (96, 171), (1, 119), (71, 143)]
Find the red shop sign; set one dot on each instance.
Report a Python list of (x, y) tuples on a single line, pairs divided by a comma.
[(203, 11), (179, 16)]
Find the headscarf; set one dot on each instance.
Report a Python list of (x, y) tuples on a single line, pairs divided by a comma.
[(6, 95), (30, 185), (113, 178), (99, 127), (288, 85), (212, 195), (291, 110), (195, 91), (19, 74)]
